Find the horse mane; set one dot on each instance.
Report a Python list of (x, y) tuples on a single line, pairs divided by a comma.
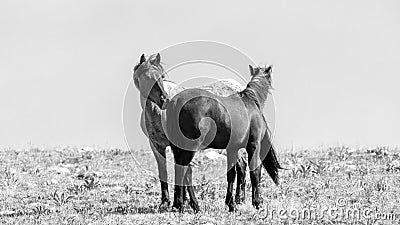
[(257, 89)]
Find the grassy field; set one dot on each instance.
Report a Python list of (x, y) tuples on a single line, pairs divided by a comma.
[(70, 185)]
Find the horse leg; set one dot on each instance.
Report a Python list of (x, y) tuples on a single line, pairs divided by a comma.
[(189, 186), (178, 189), (255, 177), (159, 154), (184, 194), (253, 153), (241, 166), (231, 174), (182, 161)]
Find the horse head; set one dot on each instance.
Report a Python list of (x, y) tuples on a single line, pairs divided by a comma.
[(266, 71), (148, 78)]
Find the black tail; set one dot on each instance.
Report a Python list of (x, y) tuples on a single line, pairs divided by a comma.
[(269, 159)]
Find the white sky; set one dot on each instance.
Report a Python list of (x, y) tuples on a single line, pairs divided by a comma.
[(65, 65)]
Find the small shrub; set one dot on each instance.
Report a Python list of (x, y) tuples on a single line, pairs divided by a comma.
[(60, 199)]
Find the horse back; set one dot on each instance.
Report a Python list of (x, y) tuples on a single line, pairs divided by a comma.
[(201, 118)]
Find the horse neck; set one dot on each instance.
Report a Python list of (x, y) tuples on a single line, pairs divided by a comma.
[(150, 108), (258, 98), (143, 101), (170, 88), (262, 98), (260, 88)]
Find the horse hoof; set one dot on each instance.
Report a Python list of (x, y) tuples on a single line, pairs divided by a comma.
[(257, 205), (164, 205), (239, 200), (232, 208), (177, 207), (195, 207)]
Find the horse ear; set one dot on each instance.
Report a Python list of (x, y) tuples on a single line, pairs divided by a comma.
[(251, 70), (269, 69), (142, 59), (157, 60)]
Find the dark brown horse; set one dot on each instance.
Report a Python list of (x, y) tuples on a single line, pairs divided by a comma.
[(197, 119)]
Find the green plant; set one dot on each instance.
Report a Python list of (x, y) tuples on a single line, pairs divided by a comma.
[(9, 177), (40, 210), (60, 199)]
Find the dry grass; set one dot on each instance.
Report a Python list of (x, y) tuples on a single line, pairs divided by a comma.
[(105, 186)]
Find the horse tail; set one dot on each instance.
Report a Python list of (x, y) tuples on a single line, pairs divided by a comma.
[(269, 158)]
